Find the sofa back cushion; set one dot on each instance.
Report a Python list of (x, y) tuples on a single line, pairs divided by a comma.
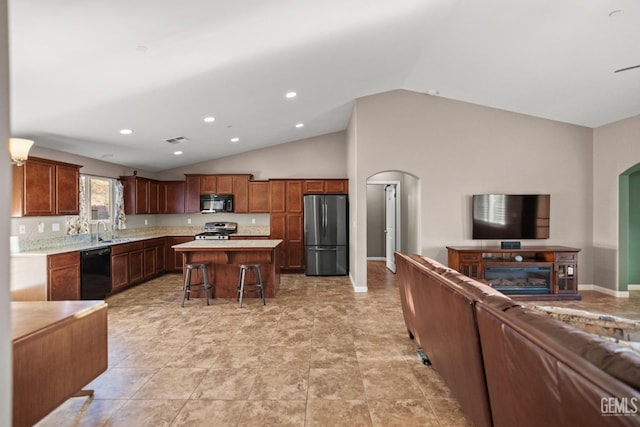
[(534, 379)]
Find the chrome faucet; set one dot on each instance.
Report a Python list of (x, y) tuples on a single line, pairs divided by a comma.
[(98, 229)]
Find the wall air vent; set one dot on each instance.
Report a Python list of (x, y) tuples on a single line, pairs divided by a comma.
[(177, 140)]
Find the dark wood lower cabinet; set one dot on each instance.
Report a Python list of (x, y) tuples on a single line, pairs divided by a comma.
[(174, 259), (119, 270), (63, 276)]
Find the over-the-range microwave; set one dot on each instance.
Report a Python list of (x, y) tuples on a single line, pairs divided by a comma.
[(211, 203)]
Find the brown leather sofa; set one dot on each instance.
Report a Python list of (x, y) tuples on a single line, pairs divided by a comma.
[(508, 365)]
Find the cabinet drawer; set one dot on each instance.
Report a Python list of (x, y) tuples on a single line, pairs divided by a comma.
[(126, 247), (470, 257), (65, 259), (565, 257)]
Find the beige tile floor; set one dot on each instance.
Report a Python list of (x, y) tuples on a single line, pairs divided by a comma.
[(316, 355)]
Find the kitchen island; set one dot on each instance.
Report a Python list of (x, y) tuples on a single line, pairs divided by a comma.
[(224, 258)]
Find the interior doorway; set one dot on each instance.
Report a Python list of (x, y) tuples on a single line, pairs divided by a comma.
[(393, 216), (383, 221)]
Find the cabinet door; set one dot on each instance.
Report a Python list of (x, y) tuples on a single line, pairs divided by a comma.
[(119, 270), (225, 184), (566, 266), (278, 195), (336, 186), (259, 196), (295, 241), (278, 230), (149, 256), (294, 196), (173, 197), (142, 196), (471, 265), (67, 190), (39, 188), (154, 197), (192, 194), (160, 258), (314, 186), (136, 266), (64, 276), (241, 193), (173, 258), (208, 184)]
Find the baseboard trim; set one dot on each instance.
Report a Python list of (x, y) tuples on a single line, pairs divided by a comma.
[(633, 287), (607, 291), (376, 258)]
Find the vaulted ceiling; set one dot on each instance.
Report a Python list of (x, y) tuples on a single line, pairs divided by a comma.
[(82, 70)]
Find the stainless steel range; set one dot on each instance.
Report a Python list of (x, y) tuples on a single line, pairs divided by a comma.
[(217, 231)]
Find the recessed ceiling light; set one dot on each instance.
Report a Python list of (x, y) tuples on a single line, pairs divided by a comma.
[(209, 119), (177, 153), (126, 131), (235, 139), (141, 48), (299, 125), (291, 94), (614, 13)]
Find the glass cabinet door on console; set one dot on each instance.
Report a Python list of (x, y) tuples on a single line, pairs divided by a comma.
[(566, 273), (471, 265)]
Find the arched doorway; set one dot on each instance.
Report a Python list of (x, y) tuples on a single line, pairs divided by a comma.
[(393, 215)]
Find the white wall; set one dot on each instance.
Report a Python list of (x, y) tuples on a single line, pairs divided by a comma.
[(5, 202), (320, 157), (458, 149), (616, 148)]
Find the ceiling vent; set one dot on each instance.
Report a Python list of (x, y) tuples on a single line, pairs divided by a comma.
[(177, 140)]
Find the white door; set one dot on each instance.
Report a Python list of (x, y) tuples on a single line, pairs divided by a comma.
[(390, 226)]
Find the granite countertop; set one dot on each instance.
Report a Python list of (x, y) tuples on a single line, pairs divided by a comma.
[(227, 244), (130, 236)]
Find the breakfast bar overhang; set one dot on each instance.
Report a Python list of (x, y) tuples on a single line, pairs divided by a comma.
[(224, 258)]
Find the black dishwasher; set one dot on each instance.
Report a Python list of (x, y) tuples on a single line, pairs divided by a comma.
[(95, 278)]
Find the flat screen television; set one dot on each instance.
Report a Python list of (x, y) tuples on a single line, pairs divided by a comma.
[(511, 216)]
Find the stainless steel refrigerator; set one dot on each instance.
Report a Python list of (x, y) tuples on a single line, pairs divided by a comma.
[(326, 235)]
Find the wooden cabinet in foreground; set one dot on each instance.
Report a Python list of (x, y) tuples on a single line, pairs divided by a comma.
[(44, 187)]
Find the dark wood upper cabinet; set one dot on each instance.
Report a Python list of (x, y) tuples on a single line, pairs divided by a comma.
[(241, 193), (208, 184), (192, 194), (225, 184), (259, 200), (326, 186), (171, 197), (44, 187)]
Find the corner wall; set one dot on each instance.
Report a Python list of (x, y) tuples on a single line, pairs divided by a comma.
[(458, 149), (616, 148)]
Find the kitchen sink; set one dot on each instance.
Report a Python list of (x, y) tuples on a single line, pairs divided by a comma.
[(115, 241)]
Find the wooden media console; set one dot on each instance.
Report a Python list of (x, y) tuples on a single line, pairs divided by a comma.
[(544, 272)]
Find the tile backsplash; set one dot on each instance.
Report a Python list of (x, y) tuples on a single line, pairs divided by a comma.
[(36, 233)]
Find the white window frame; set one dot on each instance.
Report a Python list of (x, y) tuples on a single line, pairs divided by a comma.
[(110, 220)]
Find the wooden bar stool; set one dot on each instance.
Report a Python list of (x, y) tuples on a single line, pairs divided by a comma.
[(204, 286), (258, 286)]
